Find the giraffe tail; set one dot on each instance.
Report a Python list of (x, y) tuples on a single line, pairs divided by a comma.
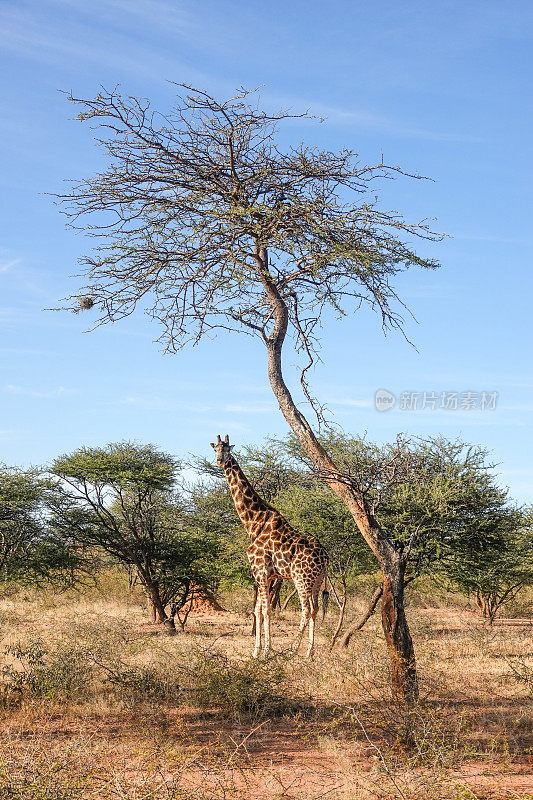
[(325, 597)]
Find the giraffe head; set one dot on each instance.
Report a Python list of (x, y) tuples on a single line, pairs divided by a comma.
[(222, 449)]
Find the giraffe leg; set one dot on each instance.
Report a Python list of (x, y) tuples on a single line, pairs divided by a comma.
[(262, 613), (257, 614), (314, 611), (304, 619), (265, 604)]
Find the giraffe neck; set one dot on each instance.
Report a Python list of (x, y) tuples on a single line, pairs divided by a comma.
[(247, 502)]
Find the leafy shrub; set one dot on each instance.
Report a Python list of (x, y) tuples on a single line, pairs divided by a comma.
[(63, 672), (250, 689)]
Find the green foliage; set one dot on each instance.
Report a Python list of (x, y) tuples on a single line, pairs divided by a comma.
[(119, 466), (496, 562), (213, 513), (31, 552), (315, 511), (438, 501), (22, 519), (186, 558), (122, 498), (249, 689)]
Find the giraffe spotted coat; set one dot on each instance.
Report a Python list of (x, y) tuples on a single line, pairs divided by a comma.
[(276, 550)]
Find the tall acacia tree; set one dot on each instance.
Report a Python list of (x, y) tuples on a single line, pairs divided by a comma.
[(206, 222)]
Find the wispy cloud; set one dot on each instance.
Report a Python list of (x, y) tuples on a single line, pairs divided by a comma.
[(351, 403), (221, 425), (390, 125), (493, 239), (158, 403), (6, 266), (49, 394), (25, 351), (103, 33), (154, 403), (369, 120), (250, 408)]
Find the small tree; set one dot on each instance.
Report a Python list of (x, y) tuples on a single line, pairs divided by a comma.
[(119, 498), (207, 215), (496, 562), (186, 562), (30, 551)]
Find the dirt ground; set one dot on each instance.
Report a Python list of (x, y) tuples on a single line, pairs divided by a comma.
[(341, 736)]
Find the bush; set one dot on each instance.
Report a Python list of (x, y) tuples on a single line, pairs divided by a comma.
[(250, 689), (110, 659), (62, 673)]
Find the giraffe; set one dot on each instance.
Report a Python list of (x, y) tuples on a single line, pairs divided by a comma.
[(276, 551)]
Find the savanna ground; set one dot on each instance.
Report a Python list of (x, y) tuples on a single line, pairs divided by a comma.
[(97, 702)]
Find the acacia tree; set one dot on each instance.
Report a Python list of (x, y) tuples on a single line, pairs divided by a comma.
[(439, 502), (495, 567), (31, 552), (119, 499), (204, 220)]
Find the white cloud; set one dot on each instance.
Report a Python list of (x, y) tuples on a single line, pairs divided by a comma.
[(50, 394), (154, 403), (105, 33), (389, 125), (157, 403), (351, 403), (6, 266), (368, 120), (250, 408), (25, 351)]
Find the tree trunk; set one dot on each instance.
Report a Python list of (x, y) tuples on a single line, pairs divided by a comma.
[(159, 614), (397, 635), (170, 626), (396, 630), (357, 626), (151, 608), (288, 600)]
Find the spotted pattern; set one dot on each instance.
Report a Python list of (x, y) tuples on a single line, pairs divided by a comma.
[(276, 550)]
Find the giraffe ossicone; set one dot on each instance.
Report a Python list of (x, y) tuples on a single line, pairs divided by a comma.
[(276, 550)]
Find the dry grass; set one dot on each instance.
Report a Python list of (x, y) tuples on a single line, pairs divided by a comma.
[(97, 702)]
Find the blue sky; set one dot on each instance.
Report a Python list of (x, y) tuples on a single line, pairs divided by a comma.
[(442, 88)]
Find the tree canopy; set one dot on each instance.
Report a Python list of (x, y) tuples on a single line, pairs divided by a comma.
[(189, 198), (30, 550), (120, 498)]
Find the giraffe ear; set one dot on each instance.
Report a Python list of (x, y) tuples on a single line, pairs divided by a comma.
[(213, 445), (231, 446)]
